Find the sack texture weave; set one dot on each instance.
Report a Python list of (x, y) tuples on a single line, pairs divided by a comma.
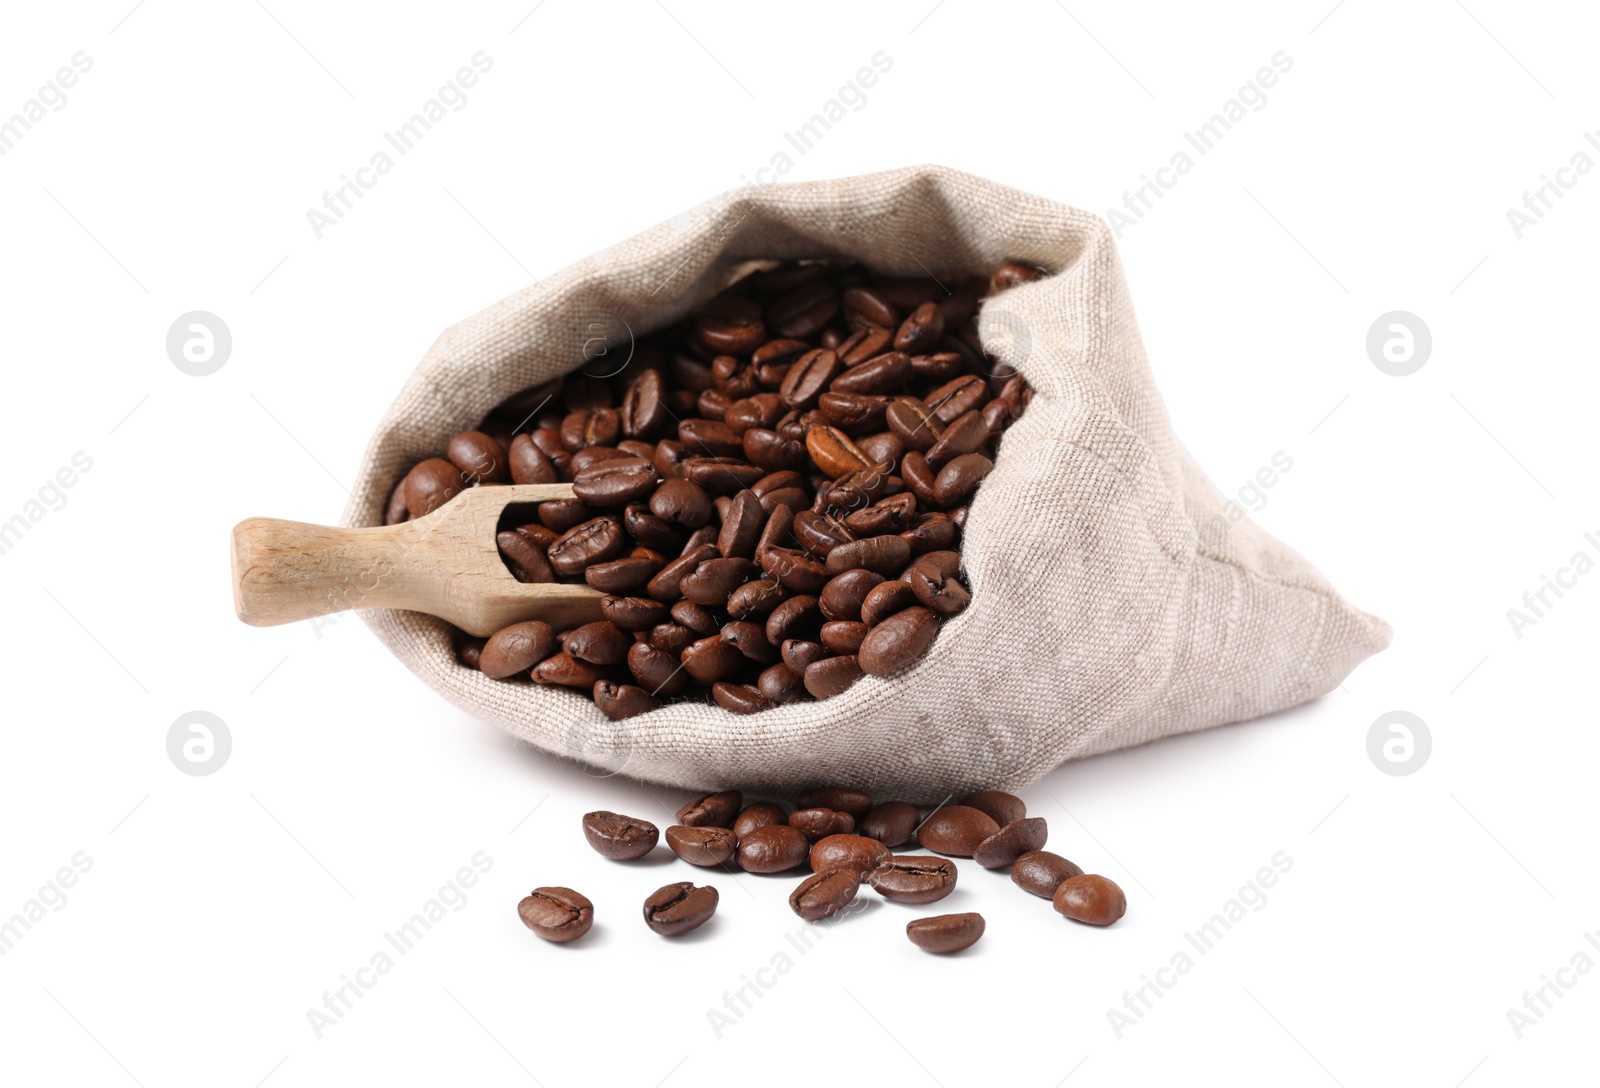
[(1113, 601)]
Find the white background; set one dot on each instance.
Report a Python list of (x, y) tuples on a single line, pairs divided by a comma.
[(219, 909)]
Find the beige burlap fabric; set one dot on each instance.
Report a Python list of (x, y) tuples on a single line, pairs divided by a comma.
[(1113, 601)]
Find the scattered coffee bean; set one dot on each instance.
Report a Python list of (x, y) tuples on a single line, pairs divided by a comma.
[(760, 814), (914, 878), (1010, 843), (712, 810), (772, 849), (1042, 872), (824, 894), (819, 823), (857, 853), (556, 914), (956, 830), (839, 798), (704, 846), (678, 908), (1090, 898), (1001, 807), (945, 932), (621, 838), (516, 649), (891, 823)]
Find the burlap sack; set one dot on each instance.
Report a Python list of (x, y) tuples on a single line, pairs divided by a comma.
[(1114, 601)]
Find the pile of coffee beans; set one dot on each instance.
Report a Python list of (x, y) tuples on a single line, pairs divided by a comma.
[(845, 840), (771, 493)]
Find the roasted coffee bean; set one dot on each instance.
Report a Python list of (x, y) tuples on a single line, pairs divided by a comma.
[(843, 636), (705, 846), (800, 654), (1090, 898), (773, 848), (957, 397), (740, 698), (884, 600), (931, 532), (840, 798), (795, 570), (945, 933), (657, 670), (620, 838), (886, 555), (478, 458), (750, 639), (960, 478), (914, 878), (711, 582), (853, 412), (864, 307), (615, 482), (723, 475), (890, 515), (711, 659), (967, 434), (940, 366), (525, 557), (1010, 842), (731, 324), (781, 684), (936, 587), (955, 830), (672, 638), (919, 478), (696, 617), (563, 515), (600, 427), (564, 670), (819, 823), (395, 511), (864, 344), (833, 451), (528, 464), (805, 311), (599, 643), (824, 894), (680, 502), (678, 908), (883, 446), (1011, 274), (711, 809), (626, 575), (818, 533), (921, 331), (856, 490), (470, 652), (808, 378), (1042, 872), (430, 485), (665, 586), (773, 357), (832, 675), (593, 541), (755, 598), (644, 408), (517, 648), (892, 823), (796, 618), (886, 374), (709, 438), (841, 598), (742, 526), (590, 456), (556, 914), (771, 450), (759, 814), (1003, 808), (913, 423), (855, 853), (619, 701)]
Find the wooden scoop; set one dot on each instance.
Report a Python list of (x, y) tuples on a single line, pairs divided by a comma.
[(445, 564)]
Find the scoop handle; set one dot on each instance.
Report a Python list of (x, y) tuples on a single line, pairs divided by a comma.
[(285, 571)]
